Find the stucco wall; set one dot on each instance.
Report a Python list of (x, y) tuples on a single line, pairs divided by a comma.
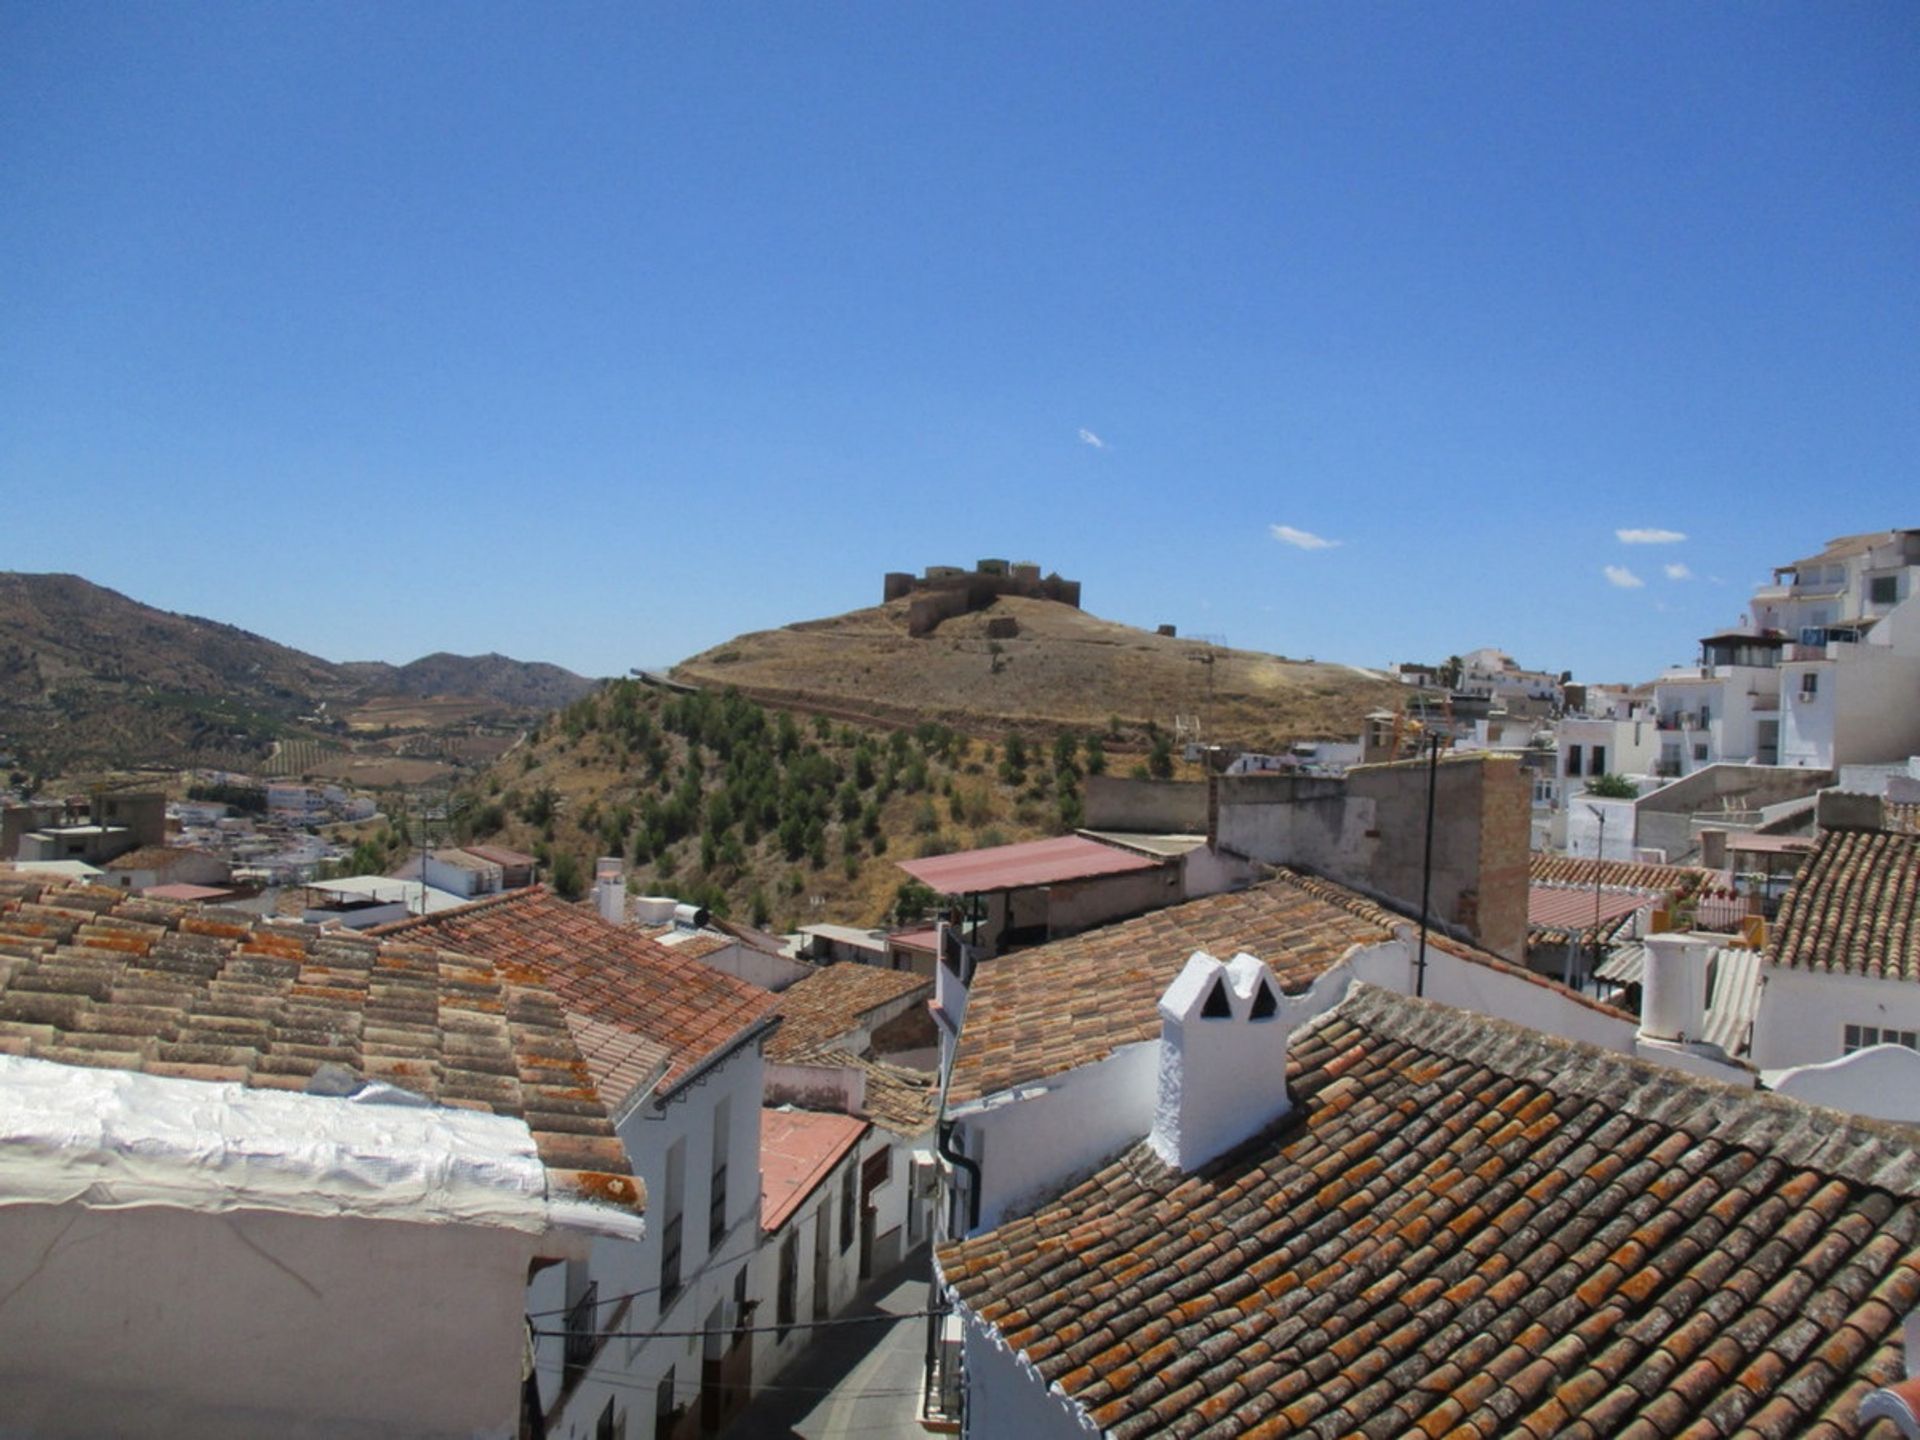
[(1006, 1398), (1076, 905), (1883, 1082), (1158, 807), (165, 1322), (627, 1370), (772, 1352), (1803, 1014)]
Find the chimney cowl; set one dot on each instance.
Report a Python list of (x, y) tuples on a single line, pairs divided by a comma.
[(1223, 1059)]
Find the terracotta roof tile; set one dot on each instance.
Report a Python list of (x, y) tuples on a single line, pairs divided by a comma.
[(1854, 908), (834, 1001), (1679, 881), (1468, 1228), (798, 1149), (1038, 1012), (899, 1099), (89, 976), (606, 973)]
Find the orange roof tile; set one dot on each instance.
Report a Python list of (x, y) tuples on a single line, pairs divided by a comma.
[(607, 973), (90, 976), (1039, 1012), (834, 1001), (798, 1149), (1470, 1228), (1854, 908)]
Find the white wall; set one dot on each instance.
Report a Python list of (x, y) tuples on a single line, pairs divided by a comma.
[(1583, 837), (167, 1322), (757, 967), (1803, 1014), (1882, 1081), (628, 1370), (773, 1352), (1059, 1130), (1007, 1399)]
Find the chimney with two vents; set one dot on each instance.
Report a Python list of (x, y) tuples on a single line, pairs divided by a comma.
[(1223, 1059)]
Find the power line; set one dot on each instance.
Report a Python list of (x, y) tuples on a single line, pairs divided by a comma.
[(882, 1317)]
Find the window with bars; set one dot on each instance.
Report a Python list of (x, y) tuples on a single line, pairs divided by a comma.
[(1859, 1037)]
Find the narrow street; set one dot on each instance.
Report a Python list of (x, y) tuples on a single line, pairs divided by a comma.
[(856, 1380)]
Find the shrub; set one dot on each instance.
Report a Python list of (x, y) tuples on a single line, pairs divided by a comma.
[(1612, 787)]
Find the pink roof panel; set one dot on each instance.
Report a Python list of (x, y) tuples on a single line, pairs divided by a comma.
[(1033, 862), (1557, 907), (798, 1149)]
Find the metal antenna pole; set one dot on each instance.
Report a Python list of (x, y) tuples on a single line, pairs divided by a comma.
[(1426, 869)]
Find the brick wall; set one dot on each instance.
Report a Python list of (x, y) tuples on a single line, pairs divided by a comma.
[(1506, 817)]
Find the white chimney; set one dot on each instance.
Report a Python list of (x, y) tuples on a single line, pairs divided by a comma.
[(610, 889), (1223, 1059), (1673, 997)]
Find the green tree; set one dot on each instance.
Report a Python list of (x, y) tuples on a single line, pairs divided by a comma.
[(1160, 758)]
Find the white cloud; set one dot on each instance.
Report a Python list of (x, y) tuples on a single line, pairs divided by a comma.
[(1301, 539), (1678, 571), (1087, 437), (1649, 537), (1621, 576)]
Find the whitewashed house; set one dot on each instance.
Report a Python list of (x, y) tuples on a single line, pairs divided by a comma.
[(678, 1046), (258, 1179)]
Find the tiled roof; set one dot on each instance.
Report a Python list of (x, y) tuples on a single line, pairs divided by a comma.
[(1042, 1011), (1468, 1228), (500, 855), (1677, 880), (1903, 818), (89, 976), (798, 1149), (899, 1099), (157, 857), (1854, 908), (1573, 908), (609, 973), (820, 1008)]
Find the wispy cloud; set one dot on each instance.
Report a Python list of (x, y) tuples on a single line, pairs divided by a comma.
[(1621, 576), (1087, 437), (1301, 539), (1677, 571), (1649, 537)]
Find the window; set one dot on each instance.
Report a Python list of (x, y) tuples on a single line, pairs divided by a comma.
[(847, 1182), (671, 1206), (789, 1283), (717, 1204), (1573, 759), (1809, 684), (1597, 761), (1700, 752), (608, 1427), (1883, 590), (665, 1412), (1859, 1037)]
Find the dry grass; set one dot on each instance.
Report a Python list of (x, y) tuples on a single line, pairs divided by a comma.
[(1065, 668)]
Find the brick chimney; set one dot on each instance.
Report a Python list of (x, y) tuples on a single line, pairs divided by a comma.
[(1223, 1059)]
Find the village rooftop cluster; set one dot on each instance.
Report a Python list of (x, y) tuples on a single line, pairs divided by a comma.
[(1539, 1060)]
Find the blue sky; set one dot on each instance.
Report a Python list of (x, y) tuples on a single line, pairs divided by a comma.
[(600, 333)]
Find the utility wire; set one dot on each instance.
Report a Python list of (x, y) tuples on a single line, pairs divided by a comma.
[(881, 1318)]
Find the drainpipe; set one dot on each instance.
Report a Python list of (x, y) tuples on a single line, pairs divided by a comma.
[(943, 1131)]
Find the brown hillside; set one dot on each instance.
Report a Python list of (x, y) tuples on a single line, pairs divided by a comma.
[(1064, 667)]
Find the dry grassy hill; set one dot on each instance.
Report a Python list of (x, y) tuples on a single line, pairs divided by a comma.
[(1062, 668)]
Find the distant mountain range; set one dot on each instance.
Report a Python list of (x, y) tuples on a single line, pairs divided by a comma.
[(89, 676)]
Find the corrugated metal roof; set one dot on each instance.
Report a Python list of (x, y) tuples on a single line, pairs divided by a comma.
[(1163, 846), (1733, 990), (1570, 907), (1017, 867)]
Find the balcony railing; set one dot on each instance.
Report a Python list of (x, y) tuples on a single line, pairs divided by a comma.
[(583, 1330)]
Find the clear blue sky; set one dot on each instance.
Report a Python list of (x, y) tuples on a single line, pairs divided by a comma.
[(600, 333)]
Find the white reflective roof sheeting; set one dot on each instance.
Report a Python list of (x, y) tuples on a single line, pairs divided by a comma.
[(108, 1139)]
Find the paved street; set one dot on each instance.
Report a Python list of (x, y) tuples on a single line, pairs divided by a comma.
[(856, 1380)]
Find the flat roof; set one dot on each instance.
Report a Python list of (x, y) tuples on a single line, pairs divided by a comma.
[(387, 889), (798, 1149), (185, 892), (1771, 844), (1163, 846), (1019, 867)]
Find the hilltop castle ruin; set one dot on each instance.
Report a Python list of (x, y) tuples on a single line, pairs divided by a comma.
[(947, 590)]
